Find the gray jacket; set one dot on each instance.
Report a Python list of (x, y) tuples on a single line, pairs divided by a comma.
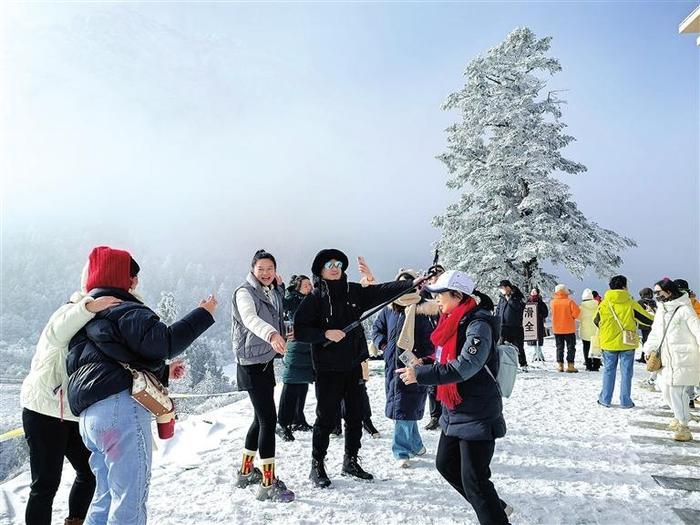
[(247, 346)]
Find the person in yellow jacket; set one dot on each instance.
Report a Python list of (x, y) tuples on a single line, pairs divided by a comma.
[(618, 313)]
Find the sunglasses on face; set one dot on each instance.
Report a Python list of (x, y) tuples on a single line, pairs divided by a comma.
[(333, 264)]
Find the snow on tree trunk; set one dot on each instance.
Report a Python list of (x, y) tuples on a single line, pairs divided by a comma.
[(503, 152)]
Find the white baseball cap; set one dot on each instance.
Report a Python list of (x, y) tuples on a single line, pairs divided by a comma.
[(453, 280)]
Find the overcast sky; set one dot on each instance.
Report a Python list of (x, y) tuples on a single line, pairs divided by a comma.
[(207, 131)]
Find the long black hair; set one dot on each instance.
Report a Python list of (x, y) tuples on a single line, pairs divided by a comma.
[(668, 286)]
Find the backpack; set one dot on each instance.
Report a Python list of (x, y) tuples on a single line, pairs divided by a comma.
[(508, 369)]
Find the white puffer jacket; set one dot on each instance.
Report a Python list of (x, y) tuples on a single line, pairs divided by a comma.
[(680, 351), (44, 389)]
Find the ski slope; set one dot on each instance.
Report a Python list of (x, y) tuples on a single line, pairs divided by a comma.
[(564, 460)]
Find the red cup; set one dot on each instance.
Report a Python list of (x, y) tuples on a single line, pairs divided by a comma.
[(166, 425)]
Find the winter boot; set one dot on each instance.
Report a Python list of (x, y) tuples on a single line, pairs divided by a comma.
[(285, 433), (560, 366), (571, 369), (302, 427), (353, 469), (683, 433), (370, 429), (246, 480), (73, 521), (318, 475), (277, 492), (433, 424), (674, 425)]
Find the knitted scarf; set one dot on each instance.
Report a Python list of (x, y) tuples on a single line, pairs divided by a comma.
[(445, 340), (406, 340)]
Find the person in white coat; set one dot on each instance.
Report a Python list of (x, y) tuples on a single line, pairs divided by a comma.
[(676, 335), (587, 329), (51, 430)]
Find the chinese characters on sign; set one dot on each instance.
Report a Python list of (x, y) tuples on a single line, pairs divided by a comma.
[(530, 322)]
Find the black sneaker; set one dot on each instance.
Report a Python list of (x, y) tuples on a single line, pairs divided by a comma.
[(434, 424), (302, 427), (285, 433), (318, 475), (353, 469), (370, 428)]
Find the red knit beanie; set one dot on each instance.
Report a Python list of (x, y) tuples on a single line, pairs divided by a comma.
[(109, 268)]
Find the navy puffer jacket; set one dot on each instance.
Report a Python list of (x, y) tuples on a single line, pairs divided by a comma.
[(480, 414), (404, 402), (130, 333)]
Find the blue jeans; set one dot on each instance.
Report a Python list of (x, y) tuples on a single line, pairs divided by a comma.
[(407, 441), (117, 430), (610, 360)]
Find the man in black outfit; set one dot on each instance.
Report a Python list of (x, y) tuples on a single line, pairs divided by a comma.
[(511, 306), (320, 319)]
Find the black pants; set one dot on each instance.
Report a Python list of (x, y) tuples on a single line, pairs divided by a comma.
[(261, 434), (292, 401), (645, 335), (570, 340), (586, 351), (50, 440), (332, 388), (434, 404), (465, 466), (366, 407), (515, 336)]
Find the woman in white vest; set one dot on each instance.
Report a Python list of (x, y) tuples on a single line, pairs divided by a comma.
[(257, 328), (676, 335), (51, 430)]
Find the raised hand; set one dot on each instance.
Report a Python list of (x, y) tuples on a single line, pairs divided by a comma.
[(365, 271), (209, 304)]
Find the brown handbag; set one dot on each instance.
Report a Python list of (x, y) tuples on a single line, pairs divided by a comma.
[(149, 392), (654, 363)]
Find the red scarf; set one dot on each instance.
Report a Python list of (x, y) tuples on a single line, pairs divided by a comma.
[(445, 336)]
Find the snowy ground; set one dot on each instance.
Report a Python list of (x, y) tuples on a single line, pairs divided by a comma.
[(564, 460)]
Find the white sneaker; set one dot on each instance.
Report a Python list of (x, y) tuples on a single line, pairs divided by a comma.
[(421, 452), (404, 463)]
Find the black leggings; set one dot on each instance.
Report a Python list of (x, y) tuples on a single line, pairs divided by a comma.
[(292, 403), (50, 440), (465, 466), (261, 434)]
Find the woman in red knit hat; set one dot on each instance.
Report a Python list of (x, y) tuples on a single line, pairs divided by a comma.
[(50, 428), (114, 427)]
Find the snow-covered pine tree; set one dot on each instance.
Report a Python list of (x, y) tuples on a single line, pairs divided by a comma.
[(167, 308), (503, 152)]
